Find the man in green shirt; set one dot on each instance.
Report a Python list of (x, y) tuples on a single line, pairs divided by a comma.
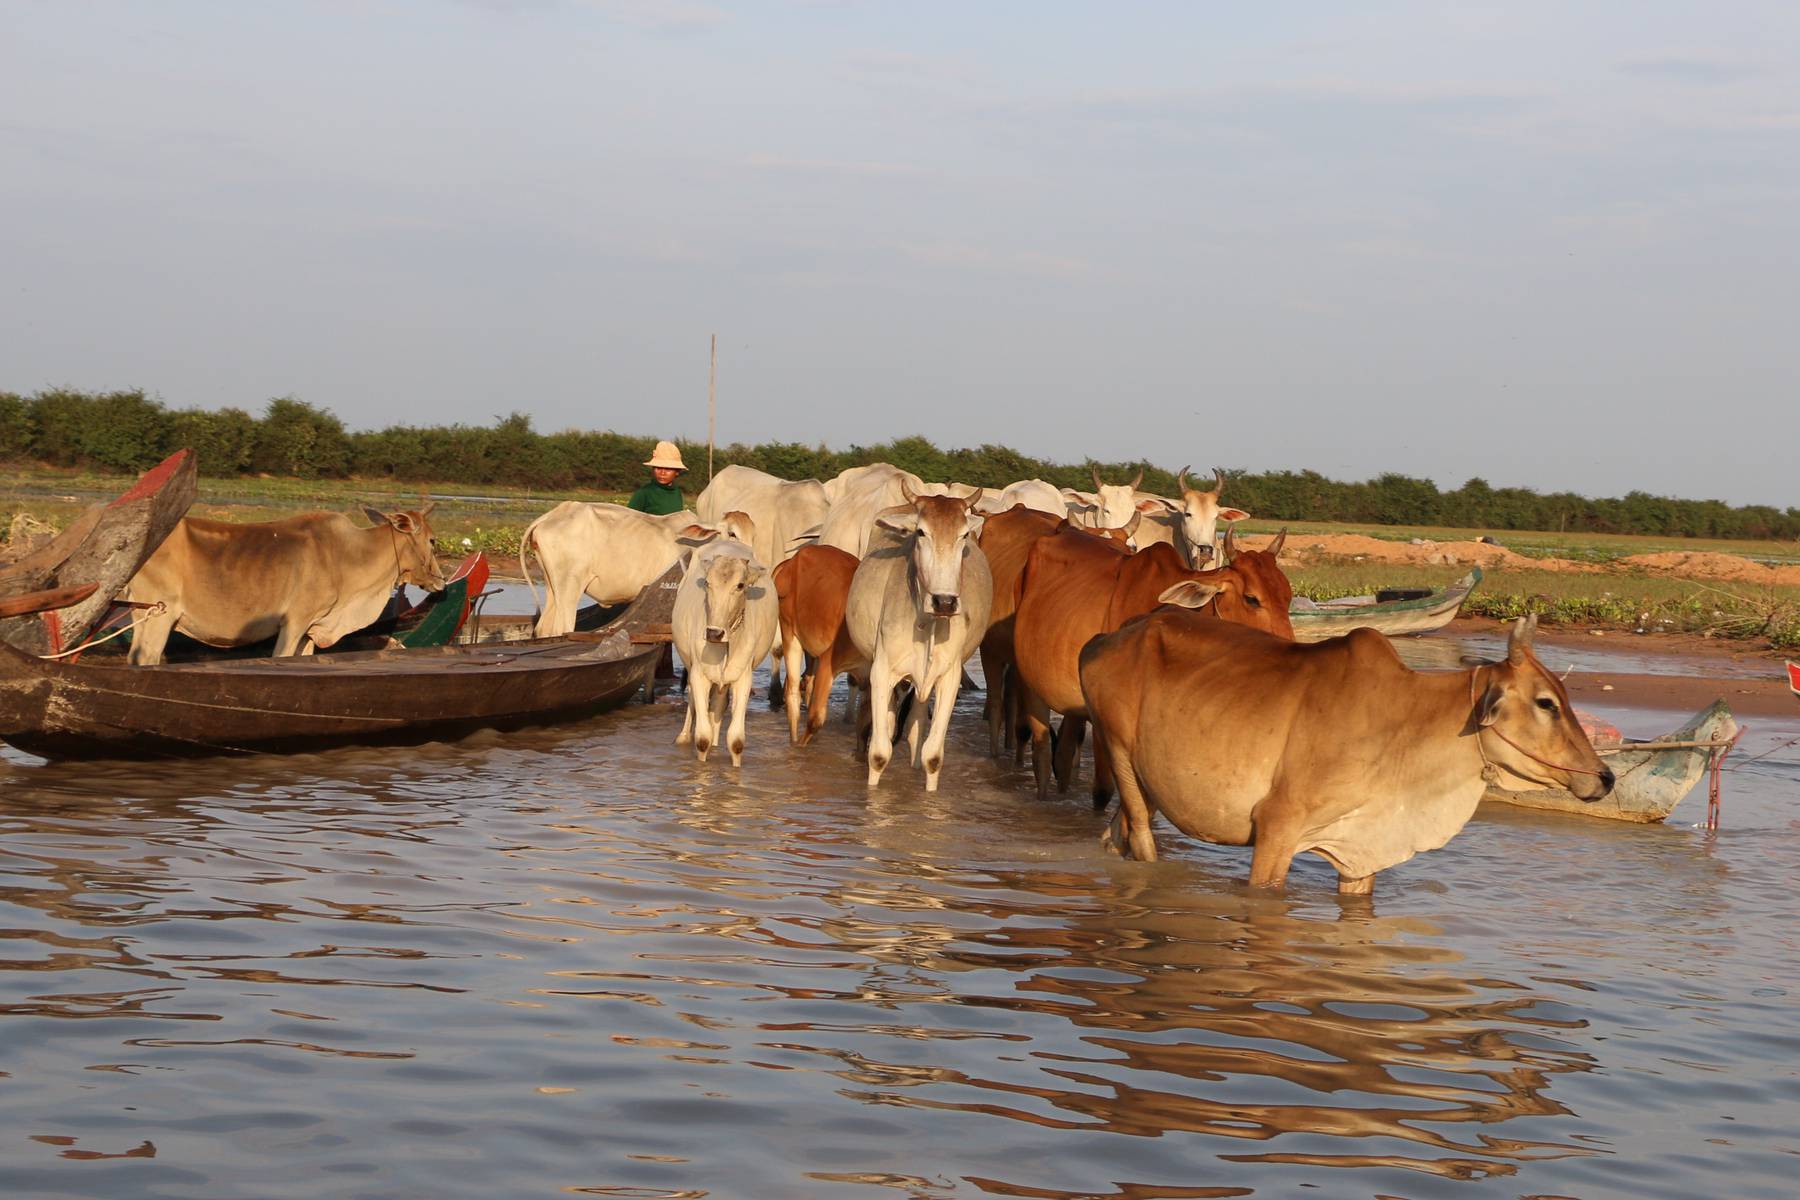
[(660, 496)]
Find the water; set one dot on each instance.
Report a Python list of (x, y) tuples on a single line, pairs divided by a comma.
[(575, 962)]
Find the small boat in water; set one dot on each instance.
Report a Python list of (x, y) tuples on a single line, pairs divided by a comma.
[(1395, 612), (311, 702), (104, 547), (1650, 777)]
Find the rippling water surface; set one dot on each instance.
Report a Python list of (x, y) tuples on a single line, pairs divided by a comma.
[(576, 962)]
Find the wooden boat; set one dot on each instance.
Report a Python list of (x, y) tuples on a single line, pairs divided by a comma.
[(104, 546), (1402, 614), (1651, 777), (1794, 677), (439, 617), (309, 702)]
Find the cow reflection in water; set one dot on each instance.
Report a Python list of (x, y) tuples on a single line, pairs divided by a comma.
[(1196, 1016)]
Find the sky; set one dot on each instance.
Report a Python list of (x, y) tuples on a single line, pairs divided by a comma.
[(1553, 245)]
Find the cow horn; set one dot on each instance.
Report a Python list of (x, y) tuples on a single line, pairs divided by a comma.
[(1181, 480), (973, 499), (1230, 544), (1218, 482), (1280, 541), (1095, 472), (1519, 641), (426, 511), (1136, 479), (1131, 525), (907, 494)]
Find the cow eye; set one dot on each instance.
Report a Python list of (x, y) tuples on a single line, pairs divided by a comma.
[(1547, 704), (740, 587), (1252, 601)]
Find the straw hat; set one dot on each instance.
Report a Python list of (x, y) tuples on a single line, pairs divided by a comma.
[(667, 455)]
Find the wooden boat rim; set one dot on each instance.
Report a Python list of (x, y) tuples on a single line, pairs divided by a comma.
[(1458, 591)]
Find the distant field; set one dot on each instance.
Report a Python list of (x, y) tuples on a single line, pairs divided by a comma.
[(494, 520)]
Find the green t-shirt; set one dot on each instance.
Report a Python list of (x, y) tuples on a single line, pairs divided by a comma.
[(656, 499)]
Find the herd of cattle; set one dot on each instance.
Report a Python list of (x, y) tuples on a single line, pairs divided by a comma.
[(1116, 609)]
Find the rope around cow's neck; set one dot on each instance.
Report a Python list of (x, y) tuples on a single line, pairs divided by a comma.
[(1488, 765)]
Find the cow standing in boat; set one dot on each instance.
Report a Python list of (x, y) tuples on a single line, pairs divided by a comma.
[(306, 581), (918, 606), (1242, 738), (723, 625)]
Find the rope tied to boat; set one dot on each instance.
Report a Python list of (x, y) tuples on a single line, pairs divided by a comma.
[(151, 611)]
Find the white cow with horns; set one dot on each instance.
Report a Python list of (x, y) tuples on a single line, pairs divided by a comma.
[(724, 622)]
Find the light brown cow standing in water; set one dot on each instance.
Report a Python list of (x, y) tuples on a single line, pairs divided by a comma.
[(306, 581), (814, 587), (1241, 738), (1076, 586), (1006, 539)]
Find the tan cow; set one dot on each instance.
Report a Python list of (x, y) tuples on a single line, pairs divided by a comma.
[(306, 581), (1077, 586), (1006, 539), (813, 588), (1190, 524), (1335, 747)]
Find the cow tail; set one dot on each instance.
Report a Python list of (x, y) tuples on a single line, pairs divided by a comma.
[(525, 564)]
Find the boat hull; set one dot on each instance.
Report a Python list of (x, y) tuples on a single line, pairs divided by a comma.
[(1396, 618), (313, 702)]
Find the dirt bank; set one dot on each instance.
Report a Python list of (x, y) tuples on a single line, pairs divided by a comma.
[(1729, 568), (1685, 694)]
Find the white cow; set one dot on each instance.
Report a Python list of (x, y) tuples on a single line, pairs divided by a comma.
[(857, 498), (607, 551), (1032, 493), (784, 511), (1191, 524), (725, 620), (918, 607)]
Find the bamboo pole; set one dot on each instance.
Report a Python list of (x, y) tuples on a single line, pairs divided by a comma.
[(712, 405)]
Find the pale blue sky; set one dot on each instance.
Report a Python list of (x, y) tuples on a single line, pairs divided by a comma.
[(1552, 244)]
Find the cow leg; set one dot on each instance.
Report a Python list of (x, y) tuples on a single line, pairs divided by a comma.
[(1361, 885), (740, 710), (993, 701), (1276, 823), (1037, 716), (289, 638), (881, 723), (779, 687), (1103, 772), (793, 655), (1131, 827), (915, 721), (700, 699), (1068, 751), (1016, 727), (687, 724), (943, 700), (818, 701), (150, 636)]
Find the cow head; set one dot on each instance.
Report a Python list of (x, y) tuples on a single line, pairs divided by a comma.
[(415, 550), (1114, 504), (726, 576), (1251, 591), (1200, 513), (1524, 725), (942, 526)]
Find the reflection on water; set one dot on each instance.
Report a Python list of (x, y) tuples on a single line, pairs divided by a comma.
[(578, 962)]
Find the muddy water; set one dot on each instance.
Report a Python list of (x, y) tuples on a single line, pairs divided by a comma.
[(575, 962)]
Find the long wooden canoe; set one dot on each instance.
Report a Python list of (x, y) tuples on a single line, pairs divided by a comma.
[(104, 546), (309, 702), (1650, 777), (1314, 622)]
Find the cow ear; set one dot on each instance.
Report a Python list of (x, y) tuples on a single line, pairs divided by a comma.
[(1233, 514), (374, 514), (1189, 593), (1154, 505), (899, 522), (402, 521), (696, 535), (1488, 711)]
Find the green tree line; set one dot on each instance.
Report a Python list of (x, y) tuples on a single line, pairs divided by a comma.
[(128, 431)]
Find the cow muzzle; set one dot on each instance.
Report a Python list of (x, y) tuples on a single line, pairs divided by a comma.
[(944, 606), (715, 635), (1202, 555)]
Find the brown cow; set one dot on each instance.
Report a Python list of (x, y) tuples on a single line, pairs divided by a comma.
[(813, 586), (1335, 747), (307, 580), (1007, 539), (1075, 587)]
